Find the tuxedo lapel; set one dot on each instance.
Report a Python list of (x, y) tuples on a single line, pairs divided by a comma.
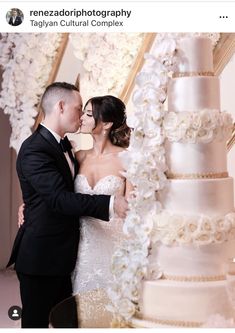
[(50, 138), (76, 167), (57, 149)]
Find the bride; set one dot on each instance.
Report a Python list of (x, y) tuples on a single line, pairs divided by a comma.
[(100, 172)]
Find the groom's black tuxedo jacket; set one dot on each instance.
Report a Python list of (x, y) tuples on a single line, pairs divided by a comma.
[(47, 242)]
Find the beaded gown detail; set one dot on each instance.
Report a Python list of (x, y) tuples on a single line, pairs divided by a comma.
[(97, 238)]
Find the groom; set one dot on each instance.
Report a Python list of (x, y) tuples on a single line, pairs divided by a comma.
[(45, 248)]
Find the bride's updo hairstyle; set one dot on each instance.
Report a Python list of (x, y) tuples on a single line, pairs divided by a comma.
[(111, 109)]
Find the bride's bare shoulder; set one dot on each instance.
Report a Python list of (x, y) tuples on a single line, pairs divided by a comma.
[(82, 154)]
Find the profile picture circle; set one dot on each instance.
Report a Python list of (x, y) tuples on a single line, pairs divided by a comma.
[(14, 16)]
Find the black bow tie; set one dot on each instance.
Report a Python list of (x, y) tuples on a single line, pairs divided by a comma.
[(65, 144)]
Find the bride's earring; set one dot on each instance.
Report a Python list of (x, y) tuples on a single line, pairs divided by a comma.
[(104, 133)]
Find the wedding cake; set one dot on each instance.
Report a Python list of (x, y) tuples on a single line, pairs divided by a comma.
[(193, 236)]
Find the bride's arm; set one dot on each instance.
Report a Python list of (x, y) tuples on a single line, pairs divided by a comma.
[(128, 189), (128, 185), (80, 155)]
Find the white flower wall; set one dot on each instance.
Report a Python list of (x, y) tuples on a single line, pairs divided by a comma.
[(27, 60)]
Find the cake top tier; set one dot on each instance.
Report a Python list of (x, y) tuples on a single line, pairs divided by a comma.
[(195, 56)]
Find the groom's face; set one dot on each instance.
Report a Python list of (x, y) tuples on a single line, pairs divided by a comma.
[(72, 112)]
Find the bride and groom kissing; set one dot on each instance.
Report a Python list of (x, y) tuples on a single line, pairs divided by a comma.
[(46, 246)]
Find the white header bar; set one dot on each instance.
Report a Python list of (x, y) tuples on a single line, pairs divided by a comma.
[(124, 16)]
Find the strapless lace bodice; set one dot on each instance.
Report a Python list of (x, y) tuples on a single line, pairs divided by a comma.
[(97, 238), (107, 185)]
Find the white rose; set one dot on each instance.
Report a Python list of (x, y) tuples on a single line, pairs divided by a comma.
[(191, 135), (170, 121), (205, 136), (126, 308)]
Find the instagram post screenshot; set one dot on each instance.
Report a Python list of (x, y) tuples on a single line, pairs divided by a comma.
[(117, 165)]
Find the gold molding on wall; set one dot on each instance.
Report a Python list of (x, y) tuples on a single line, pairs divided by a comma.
[(54, 71), (231, 141), (58, 58), (146, 46), (77, 83), (223, 52)]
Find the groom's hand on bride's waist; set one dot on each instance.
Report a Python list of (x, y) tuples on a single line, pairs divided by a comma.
[(120, 206)]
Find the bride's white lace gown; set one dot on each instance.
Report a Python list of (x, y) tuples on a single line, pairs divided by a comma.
[(96, 247)]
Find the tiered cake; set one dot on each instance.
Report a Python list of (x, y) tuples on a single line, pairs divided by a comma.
[(193, 237)]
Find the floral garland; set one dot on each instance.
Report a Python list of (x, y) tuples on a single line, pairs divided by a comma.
[(106, 60), (203, 126), (145, 162), (26, 72), (146, 166), (199, 230)]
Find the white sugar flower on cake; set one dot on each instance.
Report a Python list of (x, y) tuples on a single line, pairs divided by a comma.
[(203, 126)]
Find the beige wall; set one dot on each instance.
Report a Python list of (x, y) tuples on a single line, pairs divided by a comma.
[(10, 195)]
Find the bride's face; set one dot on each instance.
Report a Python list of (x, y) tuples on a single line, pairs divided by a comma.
[(87, 120)]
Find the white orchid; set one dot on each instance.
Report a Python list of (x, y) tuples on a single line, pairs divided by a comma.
[(146, 164)]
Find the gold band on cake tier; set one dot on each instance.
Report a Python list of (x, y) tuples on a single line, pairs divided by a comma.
[(194, 278), (169, 322), (210, 175), (183, 74)]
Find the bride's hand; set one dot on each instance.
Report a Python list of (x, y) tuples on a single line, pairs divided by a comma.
[(21, 215), (120, 206)]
